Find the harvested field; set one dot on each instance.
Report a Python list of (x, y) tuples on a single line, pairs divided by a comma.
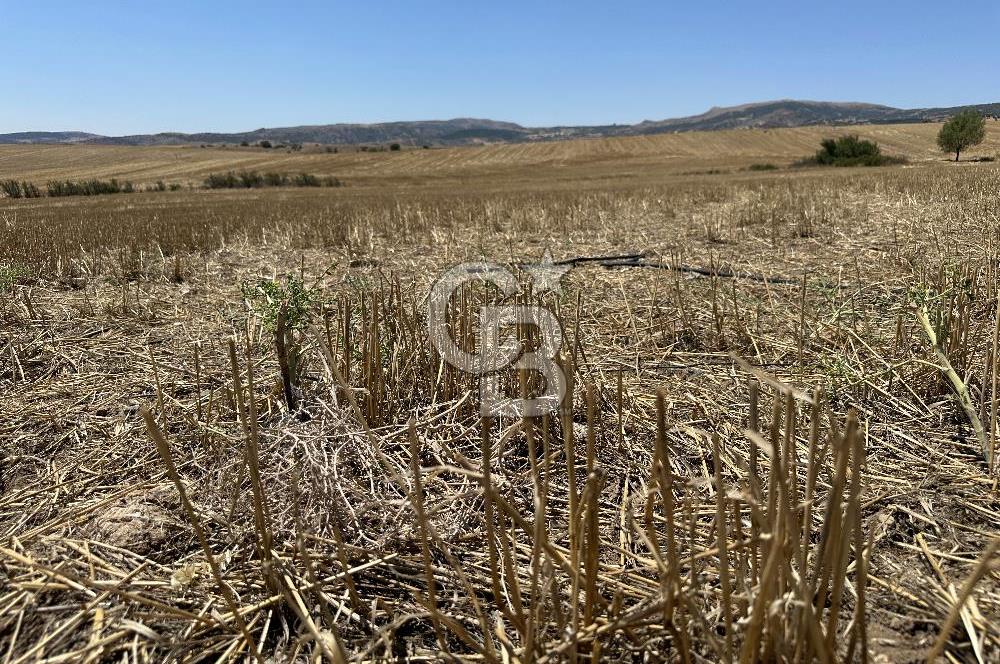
[(760, 457), (630, 160)]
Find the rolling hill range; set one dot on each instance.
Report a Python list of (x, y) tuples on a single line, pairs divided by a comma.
[(466, 131)]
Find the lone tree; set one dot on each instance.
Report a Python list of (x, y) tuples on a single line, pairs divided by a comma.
[(962, 131)]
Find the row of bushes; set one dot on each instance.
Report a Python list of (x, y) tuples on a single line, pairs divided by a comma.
[(297, 147), (230, 180), (16, 189), (255, 180), (88, 187), (160, 185), (294, 147), (25, 189)]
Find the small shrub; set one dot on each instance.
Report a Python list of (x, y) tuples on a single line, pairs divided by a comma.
[(265, 297), (851, 151), (394, 147), (221, 181), (286, 310), (250, 179), (23, 189), (11, 188), (275, 179), (762, 167), (265, 144), (10, 275), (174, 186), (305, 180)]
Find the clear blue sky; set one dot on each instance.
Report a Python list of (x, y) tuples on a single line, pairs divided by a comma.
[(137, 67)]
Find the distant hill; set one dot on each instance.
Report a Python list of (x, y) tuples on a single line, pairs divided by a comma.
[(427, 132), (795, 113), (49, 137), (466, 131)]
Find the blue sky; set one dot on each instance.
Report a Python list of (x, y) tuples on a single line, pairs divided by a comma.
[(131, 67)]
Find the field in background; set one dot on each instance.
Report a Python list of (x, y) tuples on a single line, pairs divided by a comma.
[(642, 159), (761, 457)]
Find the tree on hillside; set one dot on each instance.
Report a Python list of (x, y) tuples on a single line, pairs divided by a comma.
[(961, 132)]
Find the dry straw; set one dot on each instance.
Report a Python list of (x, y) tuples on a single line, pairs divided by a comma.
[(764, 453)]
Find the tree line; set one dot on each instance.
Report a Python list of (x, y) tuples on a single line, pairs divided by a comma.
[(13, 188)]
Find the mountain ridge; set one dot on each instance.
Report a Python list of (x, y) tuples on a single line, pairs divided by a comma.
[(464, 131)]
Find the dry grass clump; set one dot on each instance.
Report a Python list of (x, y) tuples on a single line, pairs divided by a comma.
[(226, 436)]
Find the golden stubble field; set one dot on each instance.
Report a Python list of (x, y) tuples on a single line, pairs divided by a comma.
[(226, 434), (623, 160)]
